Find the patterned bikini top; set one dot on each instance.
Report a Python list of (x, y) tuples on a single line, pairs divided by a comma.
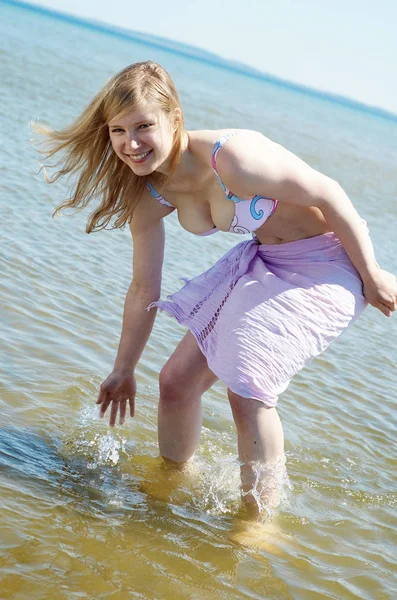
[(249, 214)]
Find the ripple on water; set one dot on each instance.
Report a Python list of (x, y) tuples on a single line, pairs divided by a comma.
[(91, 512)]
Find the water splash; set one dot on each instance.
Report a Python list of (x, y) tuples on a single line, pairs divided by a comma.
[(100, 449), (222, 493), (270, 488), (221, 485), (107, 449)]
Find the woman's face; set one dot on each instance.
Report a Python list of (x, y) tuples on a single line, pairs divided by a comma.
[(143, 138)]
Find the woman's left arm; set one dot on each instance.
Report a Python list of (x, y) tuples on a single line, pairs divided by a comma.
[(251, 164)]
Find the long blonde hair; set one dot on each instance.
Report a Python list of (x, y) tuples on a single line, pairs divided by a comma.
[(87, 149)]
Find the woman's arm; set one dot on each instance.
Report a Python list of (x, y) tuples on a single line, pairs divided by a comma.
[(251, 164), (147, 230), (148, 253)]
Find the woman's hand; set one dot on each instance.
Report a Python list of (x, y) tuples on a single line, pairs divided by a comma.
[(116, 390), (381, 292)]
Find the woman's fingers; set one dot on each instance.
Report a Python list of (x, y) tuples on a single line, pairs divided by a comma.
[(113, 412), (123, 409), (117, 406), (384, 309), (388, 301), (383, 295), (104, 405), (101, 396), (132, 406), (115, 391)]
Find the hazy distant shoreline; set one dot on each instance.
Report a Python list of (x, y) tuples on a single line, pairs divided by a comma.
[(196, 53)]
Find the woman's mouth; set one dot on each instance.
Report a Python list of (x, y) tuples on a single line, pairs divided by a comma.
[(139, 158)]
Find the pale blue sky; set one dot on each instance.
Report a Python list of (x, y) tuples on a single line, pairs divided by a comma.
[(347, 47)]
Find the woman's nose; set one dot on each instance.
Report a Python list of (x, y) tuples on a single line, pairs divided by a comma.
[(133, 142)]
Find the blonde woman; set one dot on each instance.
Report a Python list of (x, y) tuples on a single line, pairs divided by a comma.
[(263, 310)]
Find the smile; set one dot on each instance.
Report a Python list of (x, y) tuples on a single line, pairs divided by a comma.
[(139, 157)]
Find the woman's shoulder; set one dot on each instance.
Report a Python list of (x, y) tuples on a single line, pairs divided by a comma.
[(212, 136), (204, 143)]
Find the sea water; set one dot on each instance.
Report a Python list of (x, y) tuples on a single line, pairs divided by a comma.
[(91, 512)]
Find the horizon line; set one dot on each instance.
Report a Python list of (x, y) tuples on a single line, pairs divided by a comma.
[(209, 57)]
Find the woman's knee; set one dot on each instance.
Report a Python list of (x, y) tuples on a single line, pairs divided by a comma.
[(171, 380), (184, 378)]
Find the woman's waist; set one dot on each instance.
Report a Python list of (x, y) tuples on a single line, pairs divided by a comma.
[(317, 248), (287, 226)]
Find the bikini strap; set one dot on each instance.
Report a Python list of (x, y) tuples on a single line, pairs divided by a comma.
[(158, 196), (217, 146)]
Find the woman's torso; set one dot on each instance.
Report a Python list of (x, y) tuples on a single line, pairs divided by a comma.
[(202, 204)]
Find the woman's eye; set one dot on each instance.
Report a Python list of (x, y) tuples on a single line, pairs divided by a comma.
[(145, 126), (117, 130)]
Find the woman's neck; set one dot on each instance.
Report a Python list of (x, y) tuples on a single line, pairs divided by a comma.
[(187, 172)]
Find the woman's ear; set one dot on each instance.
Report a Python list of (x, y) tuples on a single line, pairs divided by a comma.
[(177, 118)]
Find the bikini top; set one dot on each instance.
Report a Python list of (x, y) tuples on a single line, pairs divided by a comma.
[(249, 214)]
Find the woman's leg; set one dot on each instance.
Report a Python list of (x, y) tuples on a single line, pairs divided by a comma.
[(260, 446), (183, 379)]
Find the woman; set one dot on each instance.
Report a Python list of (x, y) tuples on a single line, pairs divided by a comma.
[(267, 307)]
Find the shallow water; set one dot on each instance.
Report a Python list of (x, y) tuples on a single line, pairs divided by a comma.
[(89, 512)]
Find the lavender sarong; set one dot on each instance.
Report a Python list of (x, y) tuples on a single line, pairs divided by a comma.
[(262, 311)]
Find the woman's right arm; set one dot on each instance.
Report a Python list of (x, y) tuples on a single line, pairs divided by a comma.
[(147, 230)]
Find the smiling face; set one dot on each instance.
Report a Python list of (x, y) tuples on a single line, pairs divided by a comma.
[(143, 138)]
